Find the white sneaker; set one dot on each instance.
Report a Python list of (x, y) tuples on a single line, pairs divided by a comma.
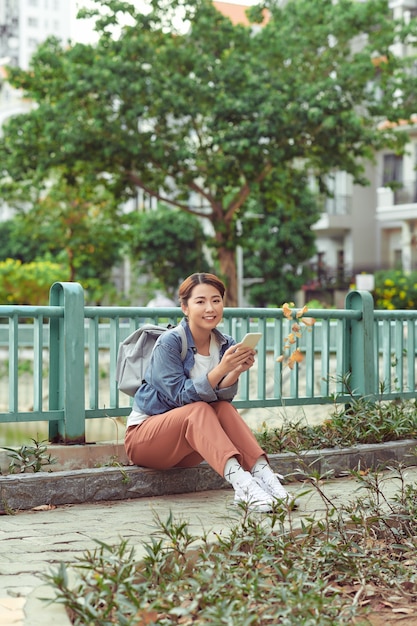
[(272, 486), (249, 492)]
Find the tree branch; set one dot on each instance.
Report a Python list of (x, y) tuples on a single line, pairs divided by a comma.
[(156, 194), (244, 192)]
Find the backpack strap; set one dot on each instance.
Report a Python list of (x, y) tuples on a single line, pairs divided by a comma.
[(181, 332), (184, 344)]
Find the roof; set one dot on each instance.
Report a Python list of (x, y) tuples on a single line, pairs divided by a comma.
[(388, 124), (235, 12)]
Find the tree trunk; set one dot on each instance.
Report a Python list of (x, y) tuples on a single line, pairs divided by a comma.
[(227, 260)]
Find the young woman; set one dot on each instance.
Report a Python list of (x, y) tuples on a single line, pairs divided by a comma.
[(182, 413)]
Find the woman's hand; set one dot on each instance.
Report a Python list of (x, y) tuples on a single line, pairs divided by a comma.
[(235, 360), (242, 357), (238, 358)]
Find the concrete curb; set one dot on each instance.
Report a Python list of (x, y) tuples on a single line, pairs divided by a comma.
[(122, 482)]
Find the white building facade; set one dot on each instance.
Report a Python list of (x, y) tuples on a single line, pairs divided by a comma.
[(363, 229), (24, 24), (396, 181)]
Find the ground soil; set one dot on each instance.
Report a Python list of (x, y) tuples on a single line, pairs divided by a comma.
[(396, 611)]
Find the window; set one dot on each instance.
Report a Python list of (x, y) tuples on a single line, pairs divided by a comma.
[(393, 169), (398, 259), (321, 268), (340, 267)]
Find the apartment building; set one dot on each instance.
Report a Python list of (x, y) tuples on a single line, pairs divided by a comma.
[(396, 178), (363, 229), (24, 24)]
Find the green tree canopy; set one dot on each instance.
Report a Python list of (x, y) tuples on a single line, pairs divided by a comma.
[(29, 283), (168, 244), (279, 240), (198, 117), (72, 223)]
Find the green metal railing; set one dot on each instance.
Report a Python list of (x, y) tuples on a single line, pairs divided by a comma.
[(66, 353)]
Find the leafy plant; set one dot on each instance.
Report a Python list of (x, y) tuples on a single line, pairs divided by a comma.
[(114, 462), (29, 458), (395, 289), (362, 421), (278, 238), (338, 569), (24, 283), (172, 231), (202, 117)]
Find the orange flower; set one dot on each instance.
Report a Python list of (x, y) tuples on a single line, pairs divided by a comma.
[(301, 312), (308, 321), (287, 311), (297, 356), (291, 358)]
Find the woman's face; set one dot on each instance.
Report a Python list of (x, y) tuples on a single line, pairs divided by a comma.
[(204, 308)]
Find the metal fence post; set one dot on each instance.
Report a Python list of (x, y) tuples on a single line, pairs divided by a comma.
[(66, 364), (360, 338)]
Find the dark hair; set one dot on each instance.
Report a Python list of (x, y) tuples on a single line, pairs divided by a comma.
[(185, 289)]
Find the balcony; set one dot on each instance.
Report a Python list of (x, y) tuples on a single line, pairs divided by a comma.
[(397, 204), (336, 218)]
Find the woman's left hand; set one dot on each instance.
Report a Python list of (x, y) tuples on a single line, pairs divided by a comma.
[(247, 363), (241, 358), (236, 359)]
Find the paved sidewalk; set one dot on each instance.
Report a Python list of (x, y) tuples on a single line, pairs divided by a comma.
[(33, 542)]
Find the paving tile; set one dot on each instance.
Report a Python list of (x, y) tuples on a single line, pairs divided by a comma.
[(11, 604), (15, 578), (11, 611)]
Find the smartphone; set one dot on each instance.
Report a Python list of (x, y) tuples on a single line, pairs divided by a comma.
[(250, 340)]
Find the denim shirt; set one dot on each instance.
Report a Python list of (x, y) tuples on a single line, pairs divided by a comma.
[(167, 382)]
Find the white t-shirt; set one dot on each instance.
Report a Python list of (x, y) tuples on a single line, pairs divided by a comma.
[(202, 366)]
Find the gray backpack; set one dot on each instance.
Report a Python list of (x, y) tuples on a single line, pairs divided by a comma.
[(135, 352)]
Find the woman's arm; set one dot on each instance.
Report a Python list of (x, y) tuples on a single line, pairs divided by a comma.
[(166, 375), (167, 386), (235, 360)]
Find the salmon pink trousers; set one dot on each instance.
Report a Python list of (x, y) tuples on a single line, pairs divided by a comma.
[(186, 436)]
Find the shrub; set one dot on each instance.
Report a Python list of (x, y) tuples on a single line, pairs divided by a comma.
[(395, 289), (362, 421), (29, 283)]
